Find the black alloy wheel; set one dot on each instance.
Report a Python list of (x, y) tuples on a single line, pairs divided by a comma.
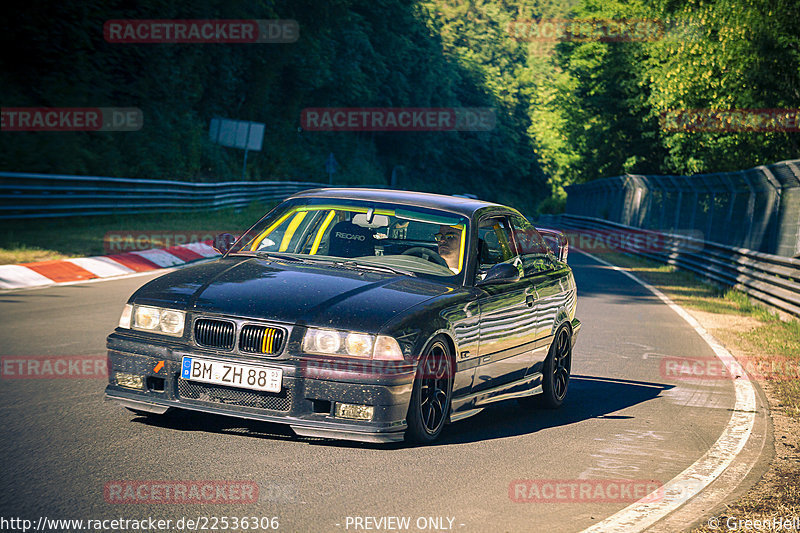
[(431, 395), (555, 373)]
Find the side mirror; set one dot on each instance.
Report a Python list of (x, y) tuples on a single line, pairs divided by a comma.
[(561, 249), (223, 242), (500, 273), (557, 241)]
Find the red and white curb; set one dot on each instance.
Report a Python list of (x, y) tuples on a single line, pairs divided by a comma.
[(105, 266)]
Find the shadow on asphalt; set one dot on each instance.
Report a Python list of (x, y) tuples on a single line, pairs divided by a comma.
[(588, 397)]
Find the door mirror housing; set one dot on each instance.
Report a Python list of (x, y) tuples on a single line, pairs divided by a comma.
[(500, 273), (558, 242), (223, 242)]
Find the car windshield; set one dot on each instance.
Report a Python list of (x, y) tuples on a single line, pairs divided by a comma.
[(370, 235)]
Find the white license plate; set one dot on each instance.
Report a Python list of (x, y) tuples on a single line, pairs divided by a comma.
[(231, 374)]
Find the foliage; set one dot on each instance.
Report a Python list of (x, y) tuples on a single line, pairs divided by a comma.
[(567, 112), (351, 53), (602, 102)]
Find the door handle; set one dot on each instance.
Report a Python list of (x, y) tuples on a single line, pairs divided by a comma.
[(529, 299)]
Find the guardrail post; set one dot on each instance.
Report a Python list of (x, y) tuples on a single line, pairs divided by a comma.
[(713, 196), (649, 223), (729, 217), (689, 181), (663, 202), (772, 224), (751, 211), (676, 223)]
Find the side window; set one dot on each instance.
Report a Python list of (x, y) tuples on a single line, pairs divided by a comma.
[(495, 245), (534, 251)]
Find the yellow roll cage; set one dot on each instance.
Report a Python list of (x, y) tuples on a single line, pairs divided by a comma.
[(300, 213)]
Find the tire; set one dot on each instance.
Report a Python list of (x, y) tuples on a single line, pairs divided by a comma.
[(555, 373), (431, 395)]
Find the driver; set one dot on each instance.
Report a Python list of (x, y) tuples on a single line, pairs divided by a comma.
[(449, 241)]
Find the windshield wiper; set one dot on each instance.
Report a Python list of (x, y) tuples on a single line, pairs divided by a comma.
[(375, 268), (347, 264), (273, 255)]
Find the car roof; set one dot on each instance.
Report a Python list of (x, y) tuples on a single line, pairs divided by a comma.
[(463, 206)]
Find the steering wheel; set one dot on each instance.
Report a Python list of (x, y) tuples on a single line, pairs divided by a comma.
[(429, 255)]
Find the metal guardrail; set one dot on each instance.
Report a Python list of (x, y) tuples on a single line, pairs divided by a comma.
[(757, 208), (25, 196), (772, 279)]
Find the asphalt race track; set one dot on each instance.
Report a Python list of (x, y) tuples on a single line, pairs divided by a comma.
[(625, 418)]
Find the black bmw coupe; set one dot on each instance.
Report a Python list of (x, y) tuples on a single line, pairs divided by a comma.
[(369, 315)]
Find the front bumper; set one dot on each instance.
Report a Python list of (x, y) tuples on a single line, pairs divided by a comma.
[(310, 389)]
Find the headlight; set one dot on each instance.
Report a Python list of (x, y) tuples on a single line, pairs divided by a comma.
[(147, 317), (325, 341), (158, 320), (358, 344), (172, 322), (349, 343)]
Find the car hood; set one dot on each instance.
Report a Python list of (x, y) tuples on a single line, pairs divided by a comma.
[(293, 293)]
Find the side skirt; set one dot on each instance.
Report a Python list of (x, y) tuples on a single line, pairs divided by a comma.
[(530, 385)]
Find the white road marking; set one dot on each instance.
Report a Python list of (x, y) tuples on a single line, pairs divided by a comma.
[(642, 514)]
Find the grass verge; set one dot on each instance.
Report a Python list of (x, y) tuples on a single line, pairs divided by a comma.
[(27, 241), (751, 331)]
